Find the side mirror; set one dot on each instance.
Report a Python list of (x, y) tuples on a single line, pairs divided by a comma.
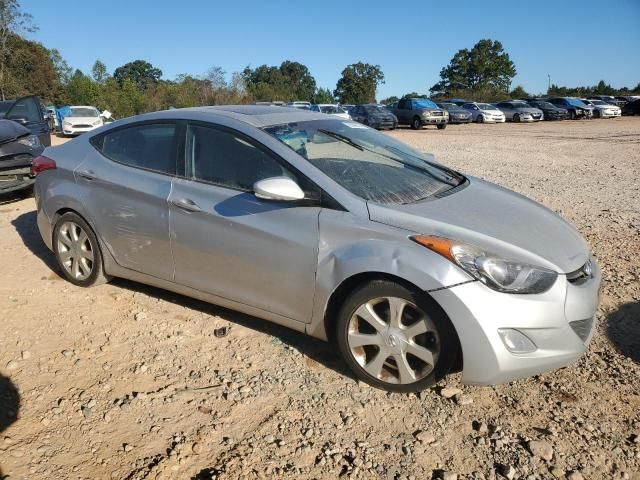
[(278, 189)]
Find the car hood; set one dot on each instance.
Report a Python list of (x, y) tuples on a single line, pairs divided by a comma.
[(528, 110), (81, 120), (495, 219), (492, 112), (10, 130)]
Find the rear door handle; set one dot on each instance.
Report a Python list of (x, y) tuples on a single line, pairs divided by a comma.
[(87, 174), (186, 204)]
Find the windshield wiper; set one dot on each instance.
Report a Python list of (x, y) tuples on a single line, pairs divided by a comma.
[(342, 138)]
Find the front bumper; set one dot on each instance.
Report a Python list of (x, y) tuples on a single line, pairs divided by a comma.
[(610, 113), (556, 116), (433, 120), (554, 321), (72, 130), (458, 120)]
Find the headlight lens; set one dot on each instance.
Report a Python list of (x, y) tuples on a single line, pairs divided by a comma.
[(426, 114), (31, 141), (500, 274), (97, 122)]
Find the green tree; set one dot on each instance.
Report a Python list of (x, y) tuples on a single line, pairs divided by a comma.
[(140, 72), (323, 95), (82, 90), (28, 70), (300, 82), (289, 81), (61, 66), (13, 22), (519, 92), (358, 83), (486, 67), (99, 72)]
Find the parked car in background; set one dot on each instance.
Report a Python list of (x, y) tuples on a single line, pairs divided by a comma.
[(484, 112), (18, 147), (631, 108), (628, 98), (300, 104), (549, 110), (328, 228), (374, 115), (347, 107), (457, 114), (610, 99), (418, 112), (576, 108), (519, 111), (603, 109), (28, 111), (81, 119), (331, 109)]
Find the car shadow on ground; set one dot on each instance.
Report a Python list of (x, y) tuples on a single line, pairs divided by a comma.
[(317, 350), (9, 407), (320, 351), (623, 329), (15, 196), (27, 228)]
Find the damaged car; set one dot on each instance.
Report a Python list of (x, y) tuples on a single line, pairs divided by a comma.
[(18, 147), (328, 227)]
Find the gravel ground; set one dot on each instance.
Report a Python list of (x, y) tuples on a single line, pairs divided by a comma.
[(126, 381)]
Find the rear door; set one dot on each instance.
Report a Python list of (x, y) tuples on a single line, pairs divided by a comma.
[(125, 183), (404, 111), (229, 243), (28, 112)]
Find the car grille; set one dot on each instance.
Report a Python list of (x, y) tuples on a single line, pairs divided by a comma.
[(436, 114), (81, 126), (580, 276), (582, 328), (535, 115)]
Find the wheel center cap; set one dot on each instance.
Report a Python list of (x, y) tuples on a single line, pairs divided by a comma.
[(395, 340)]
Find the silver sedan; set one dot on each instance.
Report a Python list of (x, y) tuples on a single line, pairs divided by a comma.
[(330, 228)]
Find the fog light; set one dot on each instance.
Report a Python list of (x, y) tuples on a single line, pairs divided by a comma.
[(515, 341)]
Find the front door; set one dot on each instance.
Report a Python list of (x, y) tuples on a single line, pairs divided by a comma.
[(229, 243), (27, 111)]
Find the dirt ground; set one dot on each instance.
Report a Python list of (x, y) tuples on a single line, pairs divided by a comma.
[(130, 382)]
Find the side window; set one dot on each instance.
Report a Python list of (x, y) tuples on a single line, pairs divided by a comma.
[(404, 104), (223, 158), (27, 108), (149, 146)]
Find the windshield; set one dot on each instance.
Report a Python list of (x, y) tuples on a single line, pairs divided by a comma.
[(375, 109), (598, 102), (369, 164), (84, 112), (486, 106), (424, 103), (575, 102), (544, 105), (450, 106), (331, 109)]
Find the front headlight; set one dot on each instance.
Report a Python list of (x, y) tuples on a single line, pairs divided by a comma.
[(426, 113), (31, 141), (66, 124), (97, 123), (500, 274)]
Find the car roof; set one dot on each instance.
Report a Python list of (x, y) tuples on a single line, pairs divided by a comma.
[(255, 115)]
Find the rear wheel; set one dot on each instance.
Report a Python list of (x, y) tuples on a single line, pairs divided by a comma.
[(395, 338), (442, 126), (77, 251), (416, 123)]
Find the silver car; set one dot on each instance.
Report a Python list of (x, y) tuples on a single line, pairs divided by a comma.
[(330, 228), (518, 111)]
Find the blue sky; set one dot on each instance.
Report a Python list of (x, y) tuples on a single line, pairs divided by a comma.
[(577, 42)]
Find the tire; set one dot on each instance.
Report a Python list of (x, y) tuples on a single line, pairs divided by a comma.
[(596, 113), (77, 251), (480, 119), (441, 126), (572, 115), (416, 123), (433, 337), (516, 117)]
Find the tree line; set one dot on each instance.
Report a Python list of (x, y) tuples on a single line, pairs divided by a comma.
[(484, 72)]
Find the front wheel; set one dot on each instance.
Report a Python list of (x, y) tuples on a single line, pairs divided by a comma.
[(416, 123), (572, 114), (394, 338), (516, 118), (480, 119), (77, 251), (596, 114), (442, 126)]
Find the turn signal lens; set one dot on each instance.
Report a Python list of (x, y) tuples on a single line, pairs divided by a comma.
[(437, 244)]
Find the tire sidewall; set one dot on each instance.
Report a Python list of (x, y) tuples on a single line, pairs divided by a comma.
[(97, 271), (416, 124), (382, 288)]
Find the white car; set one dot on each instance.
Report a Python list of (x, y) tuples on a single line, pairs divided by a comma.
[(331, 109), (485, 112), (299, 104), (82, 119), (602, 109)]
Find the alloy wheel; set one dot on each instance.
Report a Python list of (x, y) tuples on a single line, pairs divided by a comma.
[(75, 250), (393, 340)]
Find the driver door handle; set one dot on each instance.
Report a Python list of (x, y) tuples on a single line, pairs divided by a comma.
[(186, 204), (87, 174)]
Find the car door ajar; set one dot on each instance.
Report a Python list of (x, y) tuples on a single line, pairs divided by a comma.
[(27, 111), (227, 242), (126, 182)]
